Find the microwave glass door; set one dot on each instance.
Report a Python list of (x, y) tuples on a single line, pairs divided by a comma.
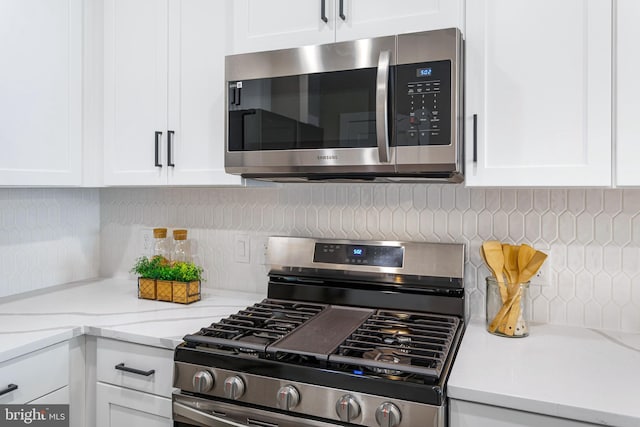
[(310, 111)]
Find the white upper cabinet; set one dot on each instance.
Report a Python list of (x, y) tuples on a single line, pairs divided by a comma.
[(627, 93), (135, 94), (277, 24), (41, 92), (358, 19), (196, 110), (164, 93), (538, 93)]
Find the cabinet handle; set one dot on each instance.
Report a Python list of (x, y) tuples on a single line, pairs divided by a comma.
[(170, 148), (121, 367), (158, 135), (475, 138), (323, 11), (9, 389), (342, 16)]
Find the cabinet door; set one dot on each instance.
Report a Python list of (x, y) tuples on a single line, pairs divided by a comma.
[(370, 18), (276, 24), (41, 87), (117, 407), (538, 82), (627, 93), (197, 31), (135, 91)]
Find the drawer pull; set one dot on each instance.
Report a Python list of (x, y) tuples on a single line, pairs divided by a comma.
[(121, 367), (9, 389)]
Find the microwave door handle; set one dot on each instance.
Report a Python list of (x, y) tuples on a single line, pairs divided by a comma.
[(202, 417), (382, 106)]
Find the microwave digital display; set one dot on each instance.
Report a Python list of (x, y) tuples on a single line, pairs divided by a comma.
[(424, 72)]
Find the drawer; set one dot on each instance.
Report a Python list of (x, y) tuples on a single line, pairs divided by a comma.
[(36, 374), (135, 366)]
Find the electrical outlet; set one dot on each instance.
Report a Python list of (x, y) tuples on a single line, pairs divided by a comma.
[(242, 248), (543, 276), (146, 237), (259, 250)]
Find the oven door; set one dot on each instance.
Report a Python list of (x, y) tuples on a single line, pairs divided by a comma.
[(315, 109), (194, 411)]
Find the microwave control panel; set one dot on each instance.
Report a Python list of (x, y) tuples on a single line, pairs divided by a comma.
[(423, 103)]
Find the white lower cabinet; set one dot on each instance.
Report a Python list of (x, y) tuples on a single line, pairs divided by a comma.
[(30, 377), (119, 406), (133, 384), (471, 414)]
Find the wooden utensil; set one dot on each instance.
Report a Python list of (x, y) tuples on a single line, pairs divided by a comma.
[(511, 270), (525, 254), (527, 273), (510, 254), (491, 251)]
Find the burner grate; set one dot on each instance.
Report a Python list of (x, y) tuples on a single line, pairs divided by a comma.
[(398, 345), (251, 330)]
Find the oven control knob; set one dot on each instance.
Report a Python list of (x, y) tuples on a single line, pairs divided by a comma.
[(288, 397), (388, 415), (348, 408), (233, 387), (202, 381)]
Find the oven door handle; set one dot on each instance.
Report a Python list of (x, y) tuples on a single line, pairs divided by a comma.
[(382, 106), (203, 417)]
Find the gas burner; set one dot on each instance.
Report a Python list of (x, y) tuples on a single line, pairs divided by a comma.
[(397, 336), (386, 355)]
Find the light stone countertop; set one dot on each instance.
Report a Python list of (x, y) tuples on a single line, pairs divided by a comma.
[(108, 308), (577, 373)]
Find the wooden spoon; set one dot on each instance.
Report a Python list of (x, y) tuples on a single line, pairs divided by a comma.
[(510, 254), (527, 273), (512, 272), (493, 256), (525, 254)]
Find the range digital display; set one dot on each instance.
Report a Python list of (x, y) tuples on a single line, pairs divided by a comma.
[(358, 251)]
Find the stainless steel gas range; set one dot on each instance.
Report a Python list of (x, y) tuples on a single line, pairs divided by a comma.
[(352, 333)]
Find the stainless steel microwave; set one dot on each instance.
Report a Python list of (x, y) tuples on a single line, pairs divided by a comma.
[(381, 109)]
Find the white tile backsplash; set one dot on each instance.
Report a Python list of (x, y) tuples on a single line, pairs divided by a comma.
[(592, 236), (54, 236), (47, 237)]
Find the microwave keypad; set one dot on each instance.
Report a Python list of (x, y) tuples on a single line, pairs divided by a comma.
[(423, 107)]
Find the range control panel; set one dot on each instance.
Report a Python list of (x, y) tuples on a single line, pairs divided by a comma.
[(423, 107), (372, 255)]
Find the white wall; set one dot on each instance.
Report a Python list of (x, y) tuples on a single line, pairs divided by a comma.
[(593, 235), (47, 237)]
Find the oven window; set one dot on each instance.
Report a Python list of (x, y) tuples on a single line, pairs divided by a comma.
[(313, 111)]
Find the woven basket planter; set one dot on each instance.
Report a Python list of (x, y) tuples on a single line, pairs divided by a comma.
[(167, 290)]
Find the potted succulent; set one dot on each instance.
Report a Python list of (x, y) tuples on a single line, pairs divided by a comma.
[(168, 281)]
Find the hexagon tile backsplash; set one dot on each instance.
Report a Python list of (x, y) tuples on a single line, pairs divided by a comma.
[(48, 237), (592, 235)]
